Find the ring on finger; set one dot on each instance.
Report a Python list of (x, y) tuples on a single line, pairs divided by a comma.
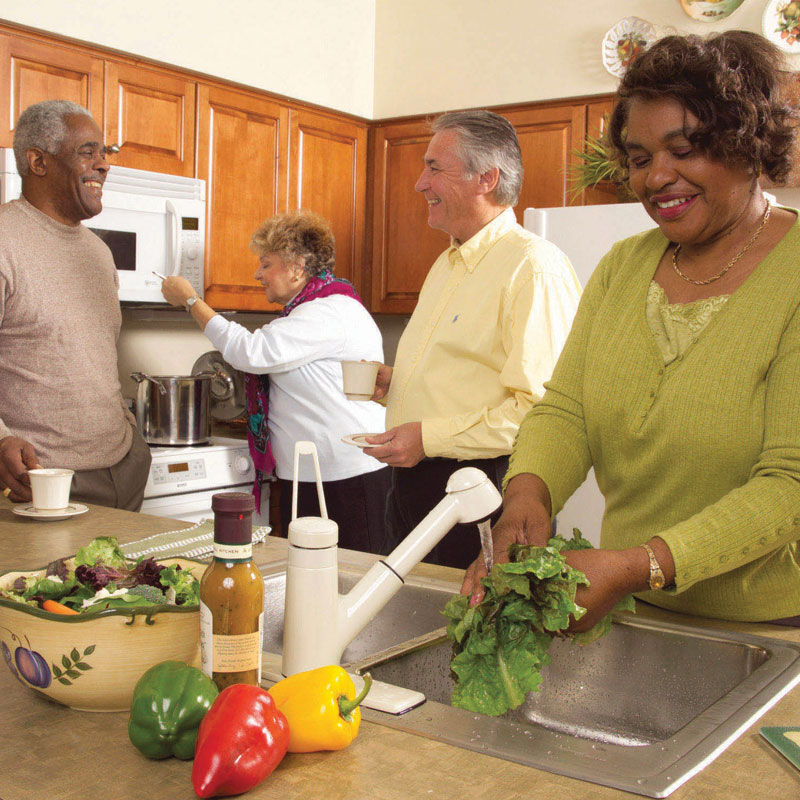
[(7, 491)]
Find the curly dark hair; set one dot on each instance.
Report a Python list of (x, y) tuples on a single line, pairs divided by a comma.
[(294, 235), (735, 83)]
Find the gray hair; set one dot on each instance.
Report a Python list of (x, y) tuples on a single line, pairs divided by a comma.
[(487, 140), (42, 125)]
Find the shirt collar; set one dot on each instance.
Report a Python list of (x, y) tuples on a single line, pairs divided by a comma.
[(473, 250)]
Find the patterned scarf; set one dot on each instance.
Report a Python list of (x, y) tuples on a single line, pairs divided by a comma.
[(257, 386)]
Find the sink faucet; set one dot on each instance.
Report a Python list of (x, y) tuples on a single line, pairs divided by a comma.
[(319, 623)]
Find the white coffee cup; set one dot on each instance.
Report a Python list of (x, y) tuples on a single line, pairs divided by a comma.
[(359, 378), (50, 488)]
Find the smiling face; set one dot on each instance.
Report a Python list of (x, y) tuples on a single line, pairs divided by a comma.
[(72, 180), (455, 200), (281, 279), (693, 197)]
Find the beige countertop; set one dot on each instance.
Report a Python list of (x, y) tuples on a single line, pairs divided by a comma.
[(50, 752)]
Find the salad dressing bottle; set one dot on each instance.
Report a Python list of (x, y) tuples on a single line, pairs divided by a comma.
[(232, 596)]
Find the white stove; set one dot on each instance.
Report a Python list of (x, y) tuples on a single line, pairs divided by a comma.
[(183, 479)]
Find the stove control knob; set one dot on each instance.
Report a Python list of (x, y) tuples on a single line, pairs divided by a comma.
[(242, 464)]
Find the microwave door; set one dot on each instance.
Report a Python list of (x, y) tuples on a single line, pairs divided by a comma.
[(138, 239)]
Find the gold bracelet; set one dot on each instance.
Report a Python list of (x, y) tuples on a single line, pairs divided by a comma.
[(656, 579)]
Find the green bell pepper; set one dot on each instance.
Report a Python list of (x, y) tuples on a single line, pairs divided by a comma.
[(169, 703)]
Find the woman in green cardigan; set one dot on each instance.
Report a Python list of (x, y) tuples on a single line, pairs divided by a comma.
[(680, 380)]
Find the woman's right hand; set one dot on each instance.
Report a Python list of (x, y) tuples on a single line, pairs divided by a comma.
[(382, 382), (525, 520)]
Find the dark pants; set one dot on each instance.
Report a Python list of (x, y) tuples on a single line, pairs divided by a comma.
[(417, 490), (357, 505), (119, 486)]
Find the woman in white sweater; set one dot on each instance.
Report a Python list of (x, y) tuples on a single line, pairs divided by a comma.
[(294, 378)]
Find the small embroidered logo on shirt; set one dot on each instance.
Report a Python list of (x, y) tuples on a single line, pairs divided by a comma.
[(455, 318)]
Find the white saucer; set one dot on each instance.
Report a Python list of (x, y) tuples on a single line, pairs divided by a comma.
[(72, 510), (359, 439)]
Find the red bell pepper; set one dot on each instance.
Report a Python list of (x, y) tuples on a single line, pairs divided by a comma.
[(242, 738)]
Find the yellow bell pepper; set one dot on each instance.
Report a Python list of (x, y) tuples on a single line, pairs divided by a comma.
[(322, 708)]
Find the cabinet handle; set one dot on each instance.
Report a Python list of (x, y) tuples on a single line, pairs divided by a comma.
[(112, 148)]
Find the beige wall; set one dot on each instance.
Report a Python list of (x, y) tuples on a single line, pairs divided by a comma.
[(376, 58), (319, 51), (436, 55)]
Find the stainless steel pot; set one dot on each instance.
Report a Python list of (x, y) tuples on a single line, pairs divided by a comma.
[(173, 409)]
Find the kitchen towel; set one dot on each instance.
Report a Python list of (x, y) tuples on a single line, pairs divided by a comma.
[(194, 542)]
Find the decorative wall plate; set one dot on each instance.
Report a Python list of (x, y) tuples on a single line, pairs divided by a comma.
[(623, 42), (710, 10), (780, 24)]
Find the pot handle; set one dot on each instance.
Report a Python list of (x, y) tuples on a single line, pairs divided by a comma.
[(140, 376)]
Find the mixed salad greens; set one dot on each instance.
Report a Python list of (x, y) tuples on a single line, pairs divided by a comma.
[(500, 645), (100, 577)]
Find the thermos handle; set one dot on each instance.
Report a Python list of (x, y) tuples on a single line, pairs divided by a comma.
[(307, 449)]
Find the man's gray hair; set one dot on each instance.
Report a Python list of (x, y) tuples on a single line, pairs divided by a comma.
[(42, 125), (487, 140)]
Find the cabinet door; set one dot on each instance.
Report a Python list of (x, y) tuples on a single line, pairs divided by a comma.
[(597, 113), (242, 155), (404, 247), (150, 117), (328, 175), (548, 138), (32, 71)]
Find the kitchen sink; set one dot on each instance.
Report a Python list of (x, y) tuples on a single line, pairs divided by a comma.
[(413, 611), (642, 709)]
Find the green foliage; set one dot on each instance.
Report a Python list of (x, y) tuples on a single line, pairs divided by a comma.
[(597, 164), (500, 645), (102, 550)]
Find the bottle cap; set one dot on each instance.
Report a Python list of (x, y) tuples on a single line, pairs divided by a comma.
[(233, 512)]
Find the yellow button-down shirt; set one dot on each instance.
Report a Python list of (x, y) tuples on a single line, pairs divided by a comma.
[(491, 319)]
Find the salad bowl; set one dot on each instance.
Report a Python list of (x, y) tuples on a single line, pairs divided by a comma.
[(92, 661)]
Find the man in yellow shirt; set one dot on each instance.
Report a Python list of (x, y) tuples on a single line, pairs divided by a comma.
[(491, 319)]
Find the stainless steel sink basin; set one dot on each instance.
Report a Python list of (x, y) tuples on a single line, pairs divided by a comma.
[(413, 611), (642, 709)]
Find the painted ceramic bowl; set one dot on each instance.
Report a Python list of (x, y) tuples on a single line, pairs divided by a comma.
[(92, 662)]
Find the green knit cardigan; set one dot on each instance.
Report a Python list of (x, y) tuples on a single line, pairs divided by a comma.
[(705, 452)]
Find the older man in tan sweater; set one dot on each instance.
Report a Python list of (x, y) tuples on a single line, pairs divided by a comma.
[(60, 401)]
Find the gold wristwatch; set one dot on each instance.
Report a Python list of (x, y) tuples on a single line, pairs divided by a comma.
[(656, 579)]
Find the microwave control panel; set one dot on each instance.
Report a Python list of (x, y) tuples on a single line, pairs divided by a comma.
[(192, 253)]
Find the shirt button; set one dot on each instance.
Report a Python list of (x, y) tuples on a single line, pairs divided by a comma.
[(661, 372)]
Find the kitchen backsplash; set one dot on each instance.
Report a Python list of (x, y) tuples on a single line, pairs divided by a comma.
[(167, 342)]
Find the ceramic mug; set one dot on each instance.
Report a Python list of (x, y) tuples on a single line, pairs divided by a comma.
[(50, 488), (358, 378)]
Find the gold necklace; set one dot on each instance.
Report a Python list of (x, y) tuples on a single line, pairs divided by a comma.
[(730, 263)]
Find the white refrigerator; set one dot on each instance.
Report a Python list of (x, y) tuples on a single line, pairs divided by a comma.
[(585, 234)]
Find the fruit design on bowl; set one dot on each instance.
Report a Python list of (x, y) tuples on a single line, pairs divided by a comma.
[(789, 22), (27, 664)]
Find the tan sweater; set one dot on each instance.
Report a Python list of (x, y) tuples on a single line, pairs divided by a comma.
[(59, 324)]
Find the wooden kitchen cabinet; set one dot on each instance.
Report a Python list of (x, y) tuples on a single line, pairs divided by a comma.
[(32, 71), (328, 175), (403, 245), (242, 153), (150, 116)]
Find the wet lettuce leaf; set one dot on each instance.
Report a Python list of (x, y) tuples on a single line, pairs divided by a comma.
[(500, 645)]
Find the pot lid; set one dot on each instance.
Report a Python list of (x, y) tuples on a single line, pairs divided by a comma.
[(227, 400)]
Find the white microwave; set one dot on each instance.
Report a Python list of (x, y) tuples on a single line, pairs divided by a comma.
[(150, 221)]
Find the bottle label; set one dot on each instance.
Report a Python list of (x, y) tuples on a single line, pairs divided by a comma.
[(228, 653), (233, 552)]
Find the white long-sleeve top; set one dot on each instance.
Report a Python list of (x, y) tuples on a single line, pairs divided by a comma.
[(301, 354)]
